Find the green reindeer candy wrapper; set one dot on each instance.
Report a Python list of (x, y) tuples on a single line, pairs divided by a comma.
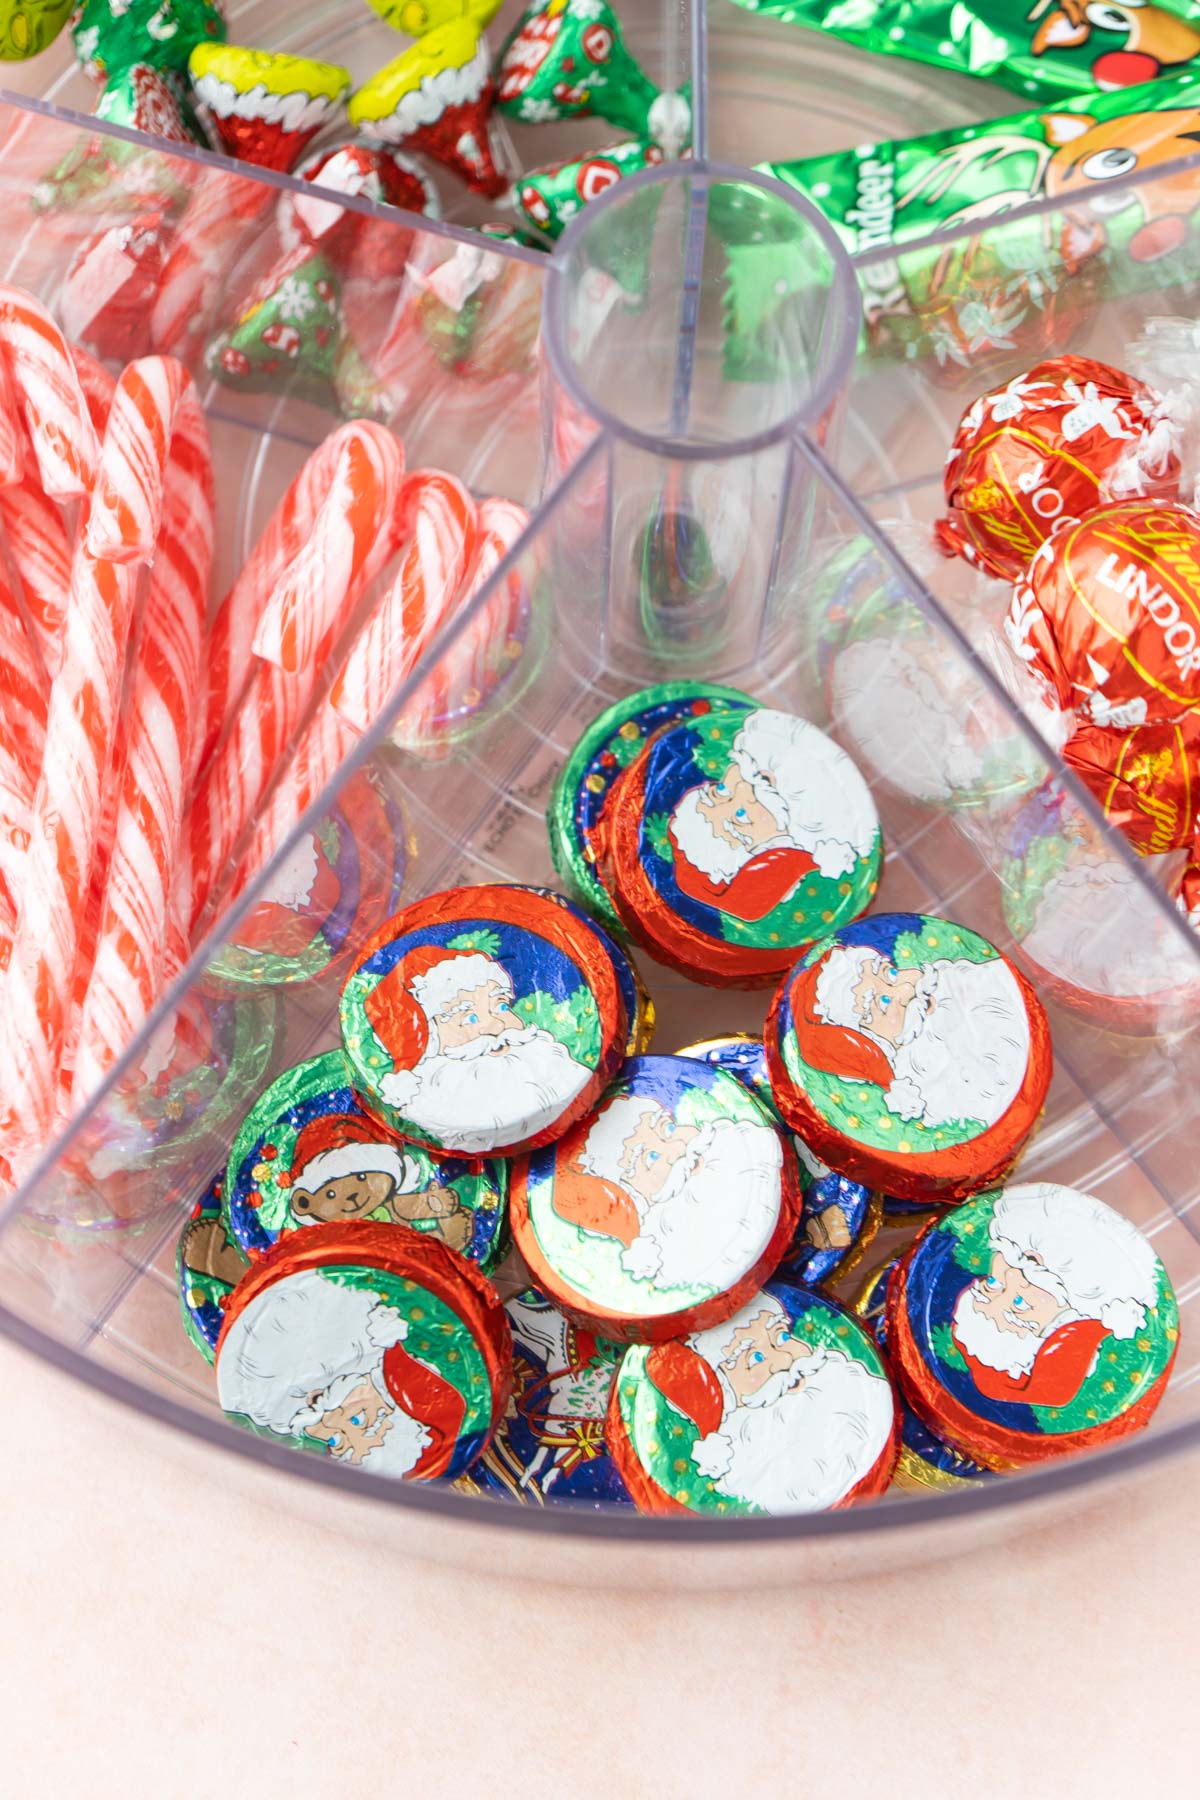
[(1027, 277)]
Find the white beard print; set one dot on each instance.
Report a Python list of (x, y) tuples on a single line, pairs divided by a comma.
[(907, 720), (715, 1214), (807, 1446), (969, 1056), (981, 1337), (1094, 928), (514, 1084)]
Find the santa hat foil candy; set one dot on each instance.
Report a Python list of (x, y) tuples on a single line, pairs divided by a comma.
[(1048, 445), (208, 1266), (601, 754), (336, 881), (1032, 1323), (307, 1155), (737, 838), (664, 1209), (926, 1460), (910, 1055), (435, 99), (550, 1446), (378, 1348), (838, 1217), (785, 1408), (483, 1020), (263, 106)]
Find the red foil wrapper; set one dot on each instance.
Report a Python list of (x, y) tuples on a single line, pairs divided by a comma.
[(1107, 617), (1147, 779), (109, 289), (376, 249), (1050, 445)]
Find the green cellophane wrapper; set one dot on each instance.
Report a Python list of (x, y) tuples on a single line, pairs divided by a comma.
[(1043, 49), (1028, 277)]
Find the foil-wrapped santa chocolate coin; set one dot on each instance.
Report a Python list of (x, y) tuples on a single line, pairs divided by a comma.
[(1107, 617), (838, 1217), (482, 1020), (662, 1210), (926, 1460), (307, 1155), (910, 1055), (605, 750), (335, 884), (1051, 444), (785, 1408), (1030, 1323), (635, 998), (737, 838), (208, 1266), (378, 1348), (550, 1445)]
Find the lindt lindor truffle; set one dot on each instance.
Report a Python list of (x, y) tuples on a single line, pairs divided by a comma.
[(379, 1348), (1030, 1323), (737, 838), (1051, 444), (483, 1020), (785, 1408), (550, 1447), (910, 1055), (838, 1217), (306, 1155), (582, 787), (662, 1210)]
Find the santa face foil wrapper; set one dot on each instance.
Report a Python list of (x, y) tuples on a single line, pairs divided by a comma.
[(663, 1209), (1031, 1323), (308, 1155), (1049, 445), (1045, 50), (1107, 617), (208, 1266), (482, 1020), (378, 1348), (838, 1217), (910, 1055), (785, 1408), (926, 1461), (1018, 281), (551, 1447), (582, 787), (637, 1004), (737, 838)]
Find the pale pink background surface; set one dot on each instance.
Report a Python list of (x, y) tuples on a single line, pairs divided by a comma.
[(165, 1632)]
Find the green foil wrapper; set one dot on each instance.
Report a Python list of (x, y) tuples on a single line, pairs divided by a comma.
[(1026, 277), (566, 61), (1045, 49), (111, 35), (288, 334), (548, 199)]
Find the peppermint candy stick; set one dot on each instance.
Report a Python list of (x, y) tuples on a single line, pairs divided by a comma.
[(131, 958), (69, 805), (43, 381), (355, 532), (443, 525), (231, 663), (24, 691), (470, 668), (325, 744)]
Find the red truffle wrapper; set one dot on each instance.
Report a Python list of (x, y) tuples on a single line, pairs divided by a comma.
[(408, 1255), (649, 1497), (1010, 480), (978, 1438), (1147, 779), (638, 1329), (936, 1178)]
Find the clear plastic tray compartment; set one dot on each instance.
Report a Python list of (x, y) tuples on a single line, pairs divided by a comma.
[(749, 511)]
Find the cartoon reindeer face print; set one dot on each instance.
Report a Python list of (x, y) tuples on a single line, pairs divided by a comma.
[(1087, 156), (1155, 38)]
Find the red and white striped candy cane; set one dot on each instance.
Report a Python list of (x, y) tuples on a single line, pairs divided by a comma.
[(45, 384), (355, 534), (24, 691), (231, 664), (136, 928), (325, 743), (69, 805), (471, 666), (441, 515)]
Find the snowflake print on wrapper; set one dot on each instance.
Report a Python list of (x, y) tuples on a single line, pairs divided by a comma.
[(294, 301), (539, 112), (586, 9), (1089, 411), (1010, 404)]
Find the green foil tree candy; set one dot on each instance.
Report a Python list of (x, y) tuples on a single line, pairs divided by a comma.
[(567, 58)]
